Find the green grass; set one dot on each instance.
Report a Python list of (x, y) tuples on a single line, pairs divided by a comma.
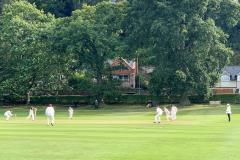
[(201, 132)]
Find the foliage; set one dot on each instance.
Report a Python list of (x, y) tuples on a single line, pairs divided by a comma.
[(187, 42), (80, 81), (92, 37), (27, 62), (226, 98), (189, 51), (226, 14), (60, 100), (111, 98), (62, 8)]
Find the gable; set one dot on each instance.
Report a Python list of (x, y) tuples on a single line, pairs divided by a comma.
[(226, 73), (232, 70), (120, 64), (119, 67)]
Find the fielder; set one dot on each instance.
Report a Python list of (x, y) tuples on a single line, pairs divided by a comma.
[(35, 111), (50, 113), (229, 112), (159, 112), (8, 114), (31, 114), (174, 110), (167, 112), (70, 112)]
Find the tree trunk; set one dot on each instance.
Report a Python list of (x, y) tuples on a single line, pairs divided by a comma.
[(28, 97), (184, 101), (99, 92)]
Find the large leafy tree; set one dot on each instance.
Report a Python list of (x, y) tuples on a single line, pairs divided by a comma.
[(226, 14), (27, 62), (187, 49), (91, 37)]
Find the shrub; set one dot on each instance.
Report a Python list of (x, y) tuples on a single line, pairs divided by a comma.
[(198, 99), (12, 99), (60, 99), (226, 98), (114, 97)]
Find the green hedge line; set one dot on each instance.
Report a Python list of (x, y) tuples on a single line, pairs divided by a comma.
[(226, 98), (12, 99), (60, 99), (126, 99)]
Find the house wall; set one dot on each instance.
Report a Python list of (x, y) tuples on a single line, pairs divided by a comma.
[(238, 84), (130, 83), (122, 72), (227, 84), (132, 80), (223, 90)]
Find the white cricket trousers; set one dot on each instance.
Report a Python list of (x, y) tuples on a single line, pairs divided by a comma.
[(31, 115), (50, 120), (168, 116), (70, 115), (7, 117), (174, 116), (157, 118)]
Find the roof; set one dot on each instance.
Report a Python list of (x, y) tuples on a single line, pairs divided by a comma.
[(130, 64), (232, 70)]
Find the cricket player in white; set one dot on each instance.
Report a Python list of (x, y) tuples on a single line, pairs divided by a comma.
[(159, 112), (35, 111), (8, 114), (167, 112), (70, 112), (31, 114), (50, 113), (174, 112), (229, 112)]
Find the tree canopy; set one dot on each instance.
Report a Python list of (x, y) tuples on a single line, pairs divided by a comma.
[(50, 45), (187, 49)]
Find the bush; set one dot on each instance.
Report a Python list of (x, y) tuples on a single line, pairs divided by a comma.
[(198, 99), (12, 99), (112, 98), (142, 99), (60, 99), (226, 98)]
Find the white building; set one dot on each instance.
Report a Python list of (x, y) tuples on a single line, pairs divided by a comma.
[(229, 81)]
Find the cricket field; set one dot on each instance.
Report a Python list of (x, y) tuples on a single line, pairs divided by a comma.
[(122, 132)]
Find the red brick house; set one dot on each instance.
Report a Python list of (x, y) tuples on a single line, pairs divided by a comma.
[(125, 71)]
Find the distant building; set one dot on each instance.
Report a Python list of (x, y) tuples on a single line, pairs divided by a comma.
[(229, 81), (125, 71), (145, 70)]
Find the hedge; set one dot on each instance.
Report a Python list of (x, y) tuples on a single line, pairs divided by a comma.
[(60, 99), (12, 99), (126, 99), (226, 98), (142, 99)]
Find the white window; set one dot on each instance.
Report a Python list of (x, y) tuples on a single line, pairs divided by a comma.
[(115, 77), (225, 78)]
